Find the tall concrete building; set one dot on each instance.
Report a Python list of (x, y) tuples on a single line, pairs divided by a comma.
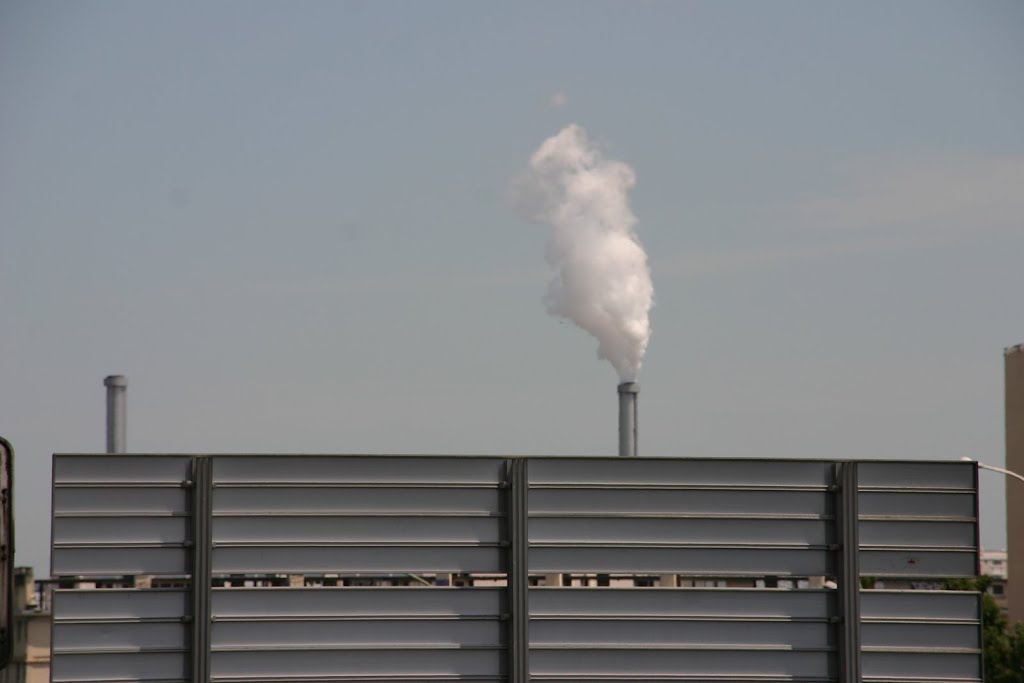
[(1014, 366)]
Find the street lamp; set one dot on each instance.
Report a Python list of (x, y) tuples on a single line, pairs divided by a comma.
[(1000, 470)]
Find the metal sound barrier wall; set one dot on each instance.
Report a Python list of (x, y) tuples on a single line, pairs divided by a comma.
[(205, 519)]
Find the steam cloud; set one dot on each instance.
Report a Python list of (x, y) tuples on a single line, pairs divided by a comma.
[(602, 282)]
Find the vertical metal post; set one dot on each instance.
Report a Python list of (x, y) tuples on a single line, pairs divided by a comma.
[(518, 572), (202, 494), (628, 436), (848, 572), (1013, 402), (117, 387), (977, 565), (7, 632)]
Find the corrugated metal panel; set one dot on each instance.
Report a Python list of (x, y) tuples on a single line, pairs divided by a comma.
[(99, 636), (927, 563), (305, 470), (402, 632), (448, 520), (926, 533), (917, 475), (684, 602), (680, 501), (696, 561), (931, 665), (662, 472), (122, 559), (108, 528), (355, 500), (121, 470), (635, 621), (768, 663), (710, 517), (668, 530), (94, 666), (918, 519), (925, 635), (920, 605), (120, 604), (641, 633), (129, 515), (432, 663), (129, 635), (417, 632), (118, 515), (255, 603), (908, 503), (397, 529)]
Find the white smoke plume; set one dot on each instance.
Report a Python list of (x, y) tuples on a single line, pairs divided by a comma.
[(601, 280)]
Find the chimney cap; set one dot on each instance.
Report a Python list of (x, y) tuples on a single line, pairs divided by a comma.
[(115, 381), (629, 388)]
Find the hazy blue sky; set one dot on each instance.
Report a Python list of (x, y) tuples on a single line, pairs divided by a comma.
[(287, 224)]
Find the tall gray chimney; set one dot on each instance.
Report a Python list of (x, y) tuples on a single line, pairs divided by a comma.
[(117, 387), (627, 419)]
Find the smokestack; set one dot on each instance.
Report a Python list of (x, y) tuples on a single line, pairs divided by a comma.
[(627, 419), (117, 387)]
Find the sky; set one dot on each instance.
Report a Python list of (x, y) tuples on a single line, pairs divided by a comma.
[(288, 224)]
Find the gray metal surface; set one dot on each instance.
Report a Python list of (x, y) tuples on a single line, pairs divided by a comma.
[(259, 633), (119, 605), (678, 502), (716, 633), (201, 568), (669, 678), (112, 664), (628, 419), (117, 413), (722, 603), (655, 473), (353, 499), (326, 513), (923, 664), (272, 516), (136, 635), (141, 501), (592, 519), (738, 530), (120, 559), (769, 662), (356, 602), (910, 504), (114, 528), (325, 470), (848, 624), (120, 514), (445, 662), (398, 529), (288, 558), (710, 560), (925, 563), (918, 519), (518, 572), (928, 635), (950, 476)]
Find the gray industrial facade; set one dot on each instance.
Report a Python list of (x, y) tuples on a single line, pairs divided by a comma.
[(806, 531)]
